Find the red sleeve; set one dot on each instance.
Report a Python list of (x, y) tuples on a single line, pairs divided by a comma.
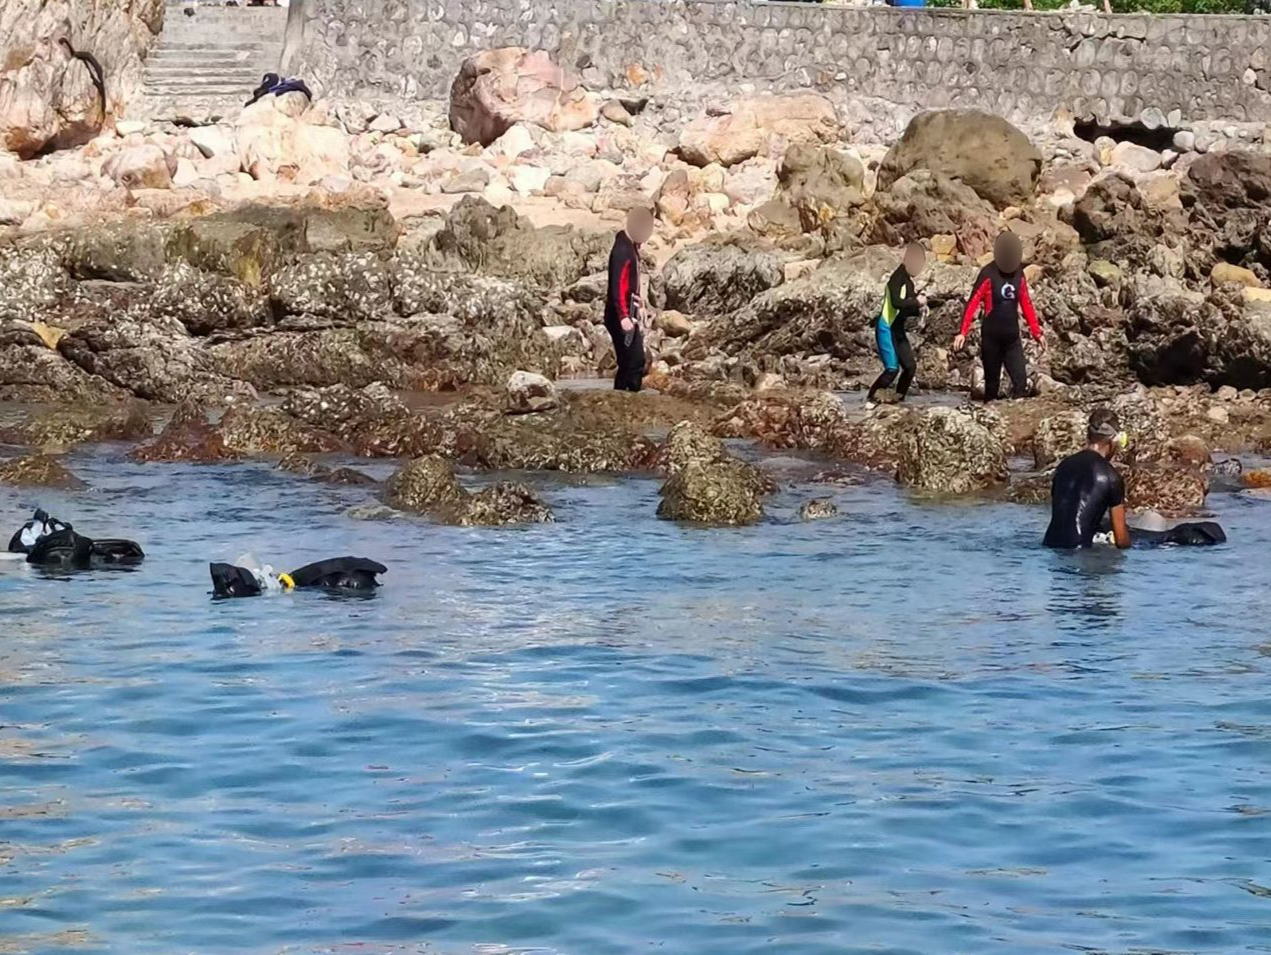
[(624, 290), (1026, 304), (981, 297)]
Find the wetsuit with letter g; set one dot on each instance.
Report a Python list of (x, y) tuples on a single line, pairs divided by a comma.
[(1084, 489), (1002, 296)]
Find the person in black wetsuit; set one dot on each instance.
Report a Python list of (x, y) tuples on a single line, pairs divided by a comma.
[(1000, 290), (901, 302), (622, 300), (1086, 487)]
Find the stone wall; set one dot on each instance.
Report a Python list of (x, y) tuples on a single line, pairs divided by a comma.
[(881, 64)]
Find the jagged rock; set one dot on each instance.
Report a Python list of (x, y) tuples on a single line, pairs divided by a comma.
[(428, 486), (717, 278), (503, 503), (31, 372), (757, 124), (117, 252), (924, 203), (39, 470), (818, 189), (1059, 436), (296, 463), (187, 437), (66, 427), (529, 393), (498, 242), (496, 89), (246, 429), (982, 150), (423, 485), (950, 451), (1167, 489), (707, 485), (345, 411), (207, 302), (818, 510), (346, 288), (715, 492)]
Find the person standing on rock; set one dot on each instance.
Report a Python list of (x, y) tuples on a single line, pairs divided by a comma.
[(901, 302), (1000, 290), (623, 305), (1086, 488)]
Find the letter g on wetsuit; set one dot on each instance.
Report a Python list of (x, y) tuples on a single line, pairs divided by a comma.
[(1002, 295), (1084, 489), (900, 303)]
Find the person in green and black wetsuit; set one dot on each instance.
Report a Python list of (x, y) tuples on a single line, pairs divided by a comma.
[(901, 302)]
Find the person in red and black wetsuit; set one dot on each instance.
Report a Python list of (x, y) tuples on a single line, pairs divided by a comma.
[(1000, 290), (623, 303)]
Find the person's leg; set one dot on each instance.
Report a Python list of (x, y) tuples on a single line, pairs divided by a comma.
[(908, 365), (620, 358), (635, 359), (991, 356), (1015, 367), (887, 354)]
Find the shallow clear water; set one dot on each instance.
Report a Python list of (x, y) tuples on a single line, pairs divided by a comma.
[(907, 730)]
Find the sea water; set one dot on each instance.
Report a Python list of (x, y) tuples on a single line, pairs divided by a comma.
[(908, 729)]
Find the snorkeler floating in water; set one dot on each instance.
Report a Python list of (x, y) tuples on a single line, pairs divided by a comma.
[(356, 575), (49, 542)]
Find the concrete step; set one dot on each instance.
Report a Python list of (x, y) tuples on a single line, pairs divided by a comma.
[(181, 73), (199, 87), (237, 94), (164, 53)]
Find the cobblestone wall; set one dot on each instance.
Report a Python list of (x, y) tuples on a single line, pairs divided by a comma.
[(882, 64)]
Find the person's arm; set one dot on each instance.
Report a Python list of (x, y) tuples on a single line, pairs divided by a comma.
[(1030, 314), (980, 298), (1120, 529), (620, 273)]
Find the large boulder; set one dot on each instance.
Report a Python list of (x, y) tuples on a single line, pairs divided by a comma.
[(706, 484), (424, 485), (982, 150), (49, 97), (479, 237), (188, 436), (274, 145), (818, 189), (496, 89), (715, 278), (924, 204), (753, 125), (1059, 436), (950, 451)]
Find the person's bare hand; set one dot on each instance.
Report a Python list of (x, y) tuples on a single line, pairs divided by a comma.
[(1042, 343), (628, 325), (959, 342), (922, 301)]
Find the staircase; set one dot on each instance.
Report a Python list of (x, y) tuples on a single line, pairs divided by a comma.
[(204, 67)]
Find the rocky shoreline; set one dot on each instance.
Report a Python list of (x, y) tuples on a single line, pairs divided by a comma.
[(287, 278)]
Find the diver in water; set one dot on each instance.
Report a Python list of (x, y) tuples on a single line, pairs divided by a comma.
[(623, 305), (248, 578), (901, 302), (1086, 487), (1002, 292), (52, 543)]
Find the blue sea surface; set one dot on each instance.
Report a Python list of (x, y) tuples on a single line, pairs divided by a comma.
[(908, 729)]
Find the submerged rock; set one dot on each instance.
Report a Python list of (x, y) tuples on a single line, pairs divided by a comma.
[(66, 427), (818, 510), (39, 470), (428, 486)]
